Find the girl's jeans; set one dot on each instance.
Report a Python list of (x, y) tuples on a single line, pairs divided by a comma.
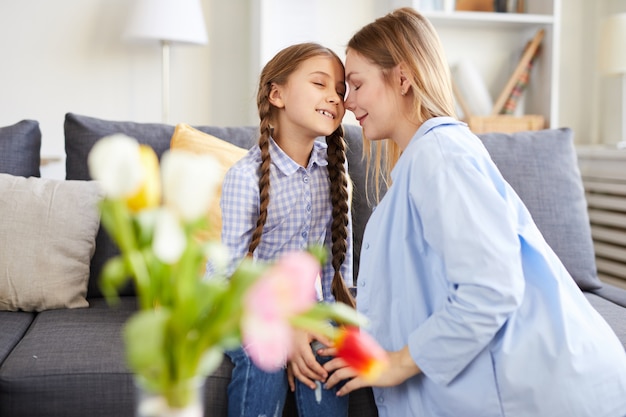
[(256, 393)]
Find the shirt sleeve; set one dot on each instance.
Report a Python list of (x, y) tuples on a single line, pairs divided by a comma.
[(470, 226)]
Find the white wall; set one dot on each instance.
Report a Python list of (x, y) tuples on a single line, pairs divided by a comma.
[(68, 56), (609, 106)]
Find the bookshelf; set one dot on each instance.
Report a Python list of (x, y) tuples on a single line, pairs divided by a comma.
[(494, 43)]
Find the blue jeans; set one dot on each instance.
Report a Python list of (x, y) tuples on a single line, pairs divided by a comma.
[(256, 393)]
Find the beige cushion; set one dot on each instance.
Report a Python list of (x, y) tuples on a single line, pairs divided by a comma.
[(187, 138), (47, 238)]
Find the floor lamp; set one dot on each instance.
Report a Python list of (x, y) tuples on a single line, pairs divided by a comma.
[(613, 60), (167, 21)]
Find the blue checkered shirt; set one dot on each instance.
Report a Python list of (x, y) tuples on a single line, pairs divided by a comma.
[(299, 213)]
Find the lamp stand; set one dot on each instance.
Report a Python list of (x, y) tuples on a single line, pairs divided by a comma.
[(165, 75)]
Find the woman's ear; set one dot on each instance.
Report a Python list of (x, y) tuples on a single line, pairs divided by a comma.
[(276, 96), (405, 85)]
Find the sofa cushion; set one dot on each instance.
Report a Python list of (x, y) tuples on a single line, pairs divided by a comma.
[(13, 325), (48, 234), (542, 167), (20, 146), (192, 140), (81, 133)]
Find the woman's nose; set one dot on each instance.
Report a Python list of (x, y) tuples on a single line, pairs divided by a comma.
[(348, 102)]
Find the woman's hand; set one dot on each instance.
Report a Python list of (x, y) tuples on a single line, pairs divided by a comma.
[(303, 364), (401, 367)]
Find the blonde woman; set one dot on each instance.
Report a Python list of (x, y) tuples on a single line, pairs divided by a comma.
[(479, 316)]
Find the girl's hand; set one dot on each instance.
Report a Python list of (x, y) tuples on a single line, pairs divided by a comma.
[(401, 367), (302, 364)]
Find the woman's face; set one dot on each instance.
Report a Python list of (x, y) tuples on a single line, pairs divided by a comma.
[(373, 101)]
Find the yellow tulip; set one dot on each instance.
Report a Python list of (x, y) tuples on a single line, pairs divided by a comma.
[(148, 195)]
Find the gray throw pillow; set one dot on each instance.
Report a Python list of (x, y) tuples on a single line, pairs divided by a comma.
[(81, 133), (48, 234), (20, 147), (542, 167)]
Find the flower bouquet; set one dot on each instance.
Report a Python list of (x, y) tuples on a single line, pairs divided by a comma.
[(185, 321)]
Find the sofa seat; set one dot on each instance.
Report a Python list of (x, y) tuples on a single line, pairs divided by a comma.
[(12, 328), (82, 351), (611, 312), (79, 349)]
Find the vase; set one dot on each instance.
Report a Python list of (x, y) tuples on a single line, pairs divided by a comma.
[(184, 399)]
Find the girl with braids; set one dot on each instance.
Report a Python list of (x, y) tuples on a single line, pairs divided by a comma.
[(287, 193), (478, 314)]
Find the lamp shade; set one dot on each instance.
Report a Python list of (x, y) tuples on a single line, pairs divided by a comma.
[(167, 20), (613, 45)]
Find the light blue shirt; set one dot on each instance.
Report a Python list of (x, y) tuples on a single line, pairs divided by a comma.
[(299, 213), (453, 266)]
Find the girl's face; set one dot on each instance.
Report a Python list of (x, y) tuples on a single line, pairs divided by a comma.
[(311, 101), (375, 103)]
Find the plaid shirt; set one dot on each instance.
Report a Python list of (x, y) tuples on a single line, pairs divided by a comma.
[(299, 213)]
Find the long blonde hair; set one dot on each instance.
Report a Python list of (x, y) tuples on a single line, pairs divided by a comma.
[(406, 37), (277, 72)]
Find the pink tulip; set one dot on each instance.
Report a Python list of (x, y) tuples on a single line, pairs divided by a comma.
[(283, 291)]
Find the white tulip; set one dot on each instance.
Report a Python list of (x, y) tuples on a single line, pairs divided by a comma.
[(114, 161), (189, 182), (169, 240)]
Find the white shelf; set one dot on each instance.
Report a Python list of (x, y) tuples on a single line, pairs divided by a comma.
[(482, 20)]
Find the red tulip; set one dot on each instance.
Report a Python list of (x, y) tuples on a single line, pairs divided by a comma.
[(361, 352)]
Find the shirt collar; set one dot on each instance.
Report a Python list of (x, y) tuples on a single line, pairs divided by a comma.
[(424, 129), (434, 122), (288, 166)]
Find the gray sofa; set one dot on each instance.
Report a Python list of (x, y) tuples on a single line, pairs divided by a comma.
[(69, 361)]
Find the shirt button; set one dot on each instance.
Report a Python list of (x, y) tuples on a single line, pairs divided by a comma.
[(381, 399), (308, 208), (367, 245), (362, 283), (305, 179), (304, 234)]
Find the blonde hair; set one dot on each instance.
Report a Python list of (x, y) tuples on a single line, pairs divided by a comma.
[(277, 72), (406, 37)]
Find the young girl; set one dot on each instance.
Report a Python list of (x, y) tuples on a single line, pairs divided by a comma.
[(288, 192), (478, 314)]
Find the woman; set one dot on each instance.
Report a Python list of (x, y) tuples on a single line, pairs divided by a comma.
[(479, 316)]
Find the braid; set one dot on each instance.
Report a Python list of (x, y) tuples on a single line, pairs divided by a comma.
[(339, 199), (264, 175)]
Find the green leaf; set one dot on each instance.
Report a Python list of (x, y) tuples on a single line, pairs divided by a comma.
[(320, 252), (144, 225), (113, 276), (313, 325), (337, 312), (210, 361), (144, 337)]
